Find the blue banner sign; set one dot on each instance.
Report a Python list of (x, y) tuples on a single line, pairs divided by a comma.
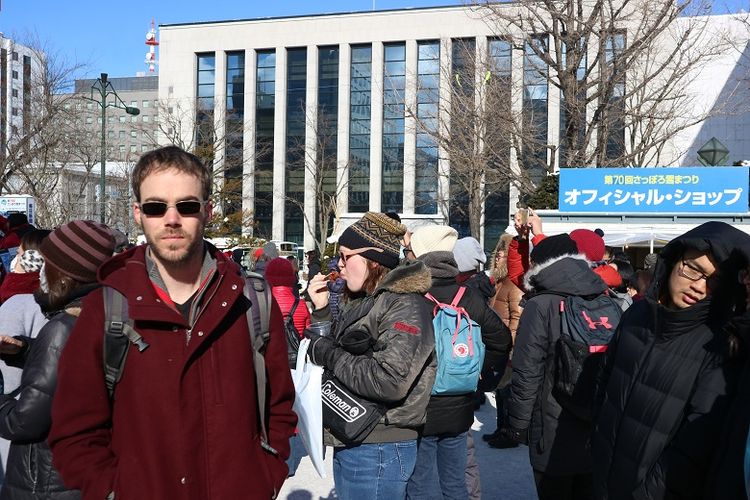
[(657, 190)]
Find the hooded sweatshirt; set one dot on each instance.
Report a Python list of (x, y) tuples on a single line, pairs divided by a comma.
[(667, 381)]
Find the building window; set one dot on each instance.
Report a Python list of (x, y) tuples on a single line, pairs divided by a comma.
[(133, 104), (133, 134), (89, 119), (296, 79), (144, 148), (572, 114), (264, 116), (428, 99), (462, 134), (394, 85), (14, 92), (328, 111), (122, 118), (497, 111), (146, 104), (121, 134), (146, 118), (14, 56), (111, 134), (14, 74), (14, 111), (234, 130), (535, 88), (133, 119), (359, 128), (133, 148), (121, 151), (615, 113), (204, 114)]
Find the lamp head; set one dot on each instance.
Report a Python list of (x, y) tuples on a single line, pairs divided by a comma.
[(132, 110)]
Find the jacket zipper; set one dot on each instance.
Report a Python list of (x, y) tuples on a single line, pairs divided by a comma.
[(189, 331)]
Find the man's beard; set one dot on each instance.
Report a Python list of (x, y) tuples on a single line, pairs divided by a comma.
[(169, 256)]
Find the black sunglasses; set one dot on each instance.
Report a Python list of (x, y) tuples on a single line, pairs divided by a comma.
[(159, 208)]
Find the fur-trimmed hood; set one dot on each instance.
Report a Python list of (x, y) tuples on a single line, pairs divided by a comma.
[(567, 274), (408, 277)]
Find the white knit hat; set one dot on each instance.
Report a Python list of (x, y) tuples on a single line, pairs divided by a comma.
[(469, 254), (433, 239)]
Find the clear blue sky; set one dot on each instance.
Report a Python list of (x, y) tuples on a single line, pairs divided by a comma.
[(108, 36)]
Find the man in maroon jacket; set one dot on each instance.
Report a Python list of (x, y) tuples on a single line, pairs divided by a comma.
[(183, 423)]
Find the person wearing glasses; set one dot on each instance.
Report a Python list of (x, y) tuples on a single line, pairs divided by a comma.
[(183, 420), (388, 315), (668, 380)]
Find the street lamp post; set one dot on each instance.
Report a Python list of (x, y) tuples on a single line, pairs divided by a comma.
[(104, 88)]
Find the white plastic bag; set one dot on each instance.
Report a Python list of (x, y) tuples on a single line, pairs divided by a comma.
[(308, 406)]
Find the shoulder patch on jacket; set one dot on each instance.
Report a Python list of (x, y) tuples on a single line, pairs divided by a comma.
[(405, 327)]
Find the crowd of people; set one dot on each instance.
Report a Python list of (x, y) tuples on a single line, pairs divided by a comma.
[(163, 370)]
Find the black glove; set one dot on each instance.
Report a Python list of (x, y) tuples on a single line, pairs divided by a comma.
[(322, 350), (357, 342), (520, 436)]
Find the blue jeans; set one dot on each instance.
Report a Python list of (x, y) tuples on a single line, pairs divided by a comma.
[(297, 451), (441, 469), (377, 471)]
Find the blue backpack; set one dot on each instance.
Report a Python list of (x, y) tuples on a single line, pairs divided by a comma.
[(458, 347)]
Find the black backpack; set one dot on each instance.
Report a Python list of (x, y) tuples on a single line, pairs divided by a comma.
[(587, 326), (119, 333), (292, 335)]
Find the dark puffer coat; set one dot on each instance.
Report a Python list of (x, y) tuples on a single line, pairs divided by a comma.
[(455, 414), (558, 441), (26, 421), (667, 382)]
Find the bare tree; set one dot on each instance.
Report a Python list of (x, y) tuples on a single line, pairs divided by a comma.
[(474, 126), (40, 136), (621, 69)]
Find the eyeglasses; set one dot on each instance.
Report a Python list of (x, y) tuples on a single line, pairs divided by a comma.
[(692, 274), (159, 208), (344, 256)]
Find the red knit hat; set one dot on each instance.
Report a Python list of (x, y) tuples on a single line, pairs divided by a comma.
[(589, 244), (279, 272), (78, 248)]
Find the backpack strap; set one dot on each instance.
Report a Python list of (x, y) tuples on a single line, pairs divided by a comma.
[(258, 320), (458, 296), (294, 308), (119, 333)]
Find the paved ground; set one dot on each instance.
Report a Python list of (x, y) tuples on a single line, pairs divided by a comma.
[(506, 474)]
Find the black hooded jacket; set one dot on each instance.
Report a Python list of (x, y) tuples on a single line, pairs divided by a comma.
[(26, 421), (455, 414), (667, 382), (558, 441)]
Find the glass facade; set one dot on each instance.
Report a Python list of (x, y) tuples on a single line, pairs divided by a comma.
[(328, 114), (463, 65), (296, 80), (428, 99), (394, 85), (234, 124), (614, 46), (535, 90), (204, 110), (359, 128), (265, 88), (498, 97)]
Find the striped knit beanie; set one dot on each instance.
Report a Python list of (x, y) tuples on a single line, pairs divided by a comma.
[(78, 248), (379, 231)]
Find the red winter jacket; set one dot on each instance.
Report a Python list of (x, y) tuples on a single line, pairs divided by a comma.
[(183, 423), (285, 297), (18, 283)]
